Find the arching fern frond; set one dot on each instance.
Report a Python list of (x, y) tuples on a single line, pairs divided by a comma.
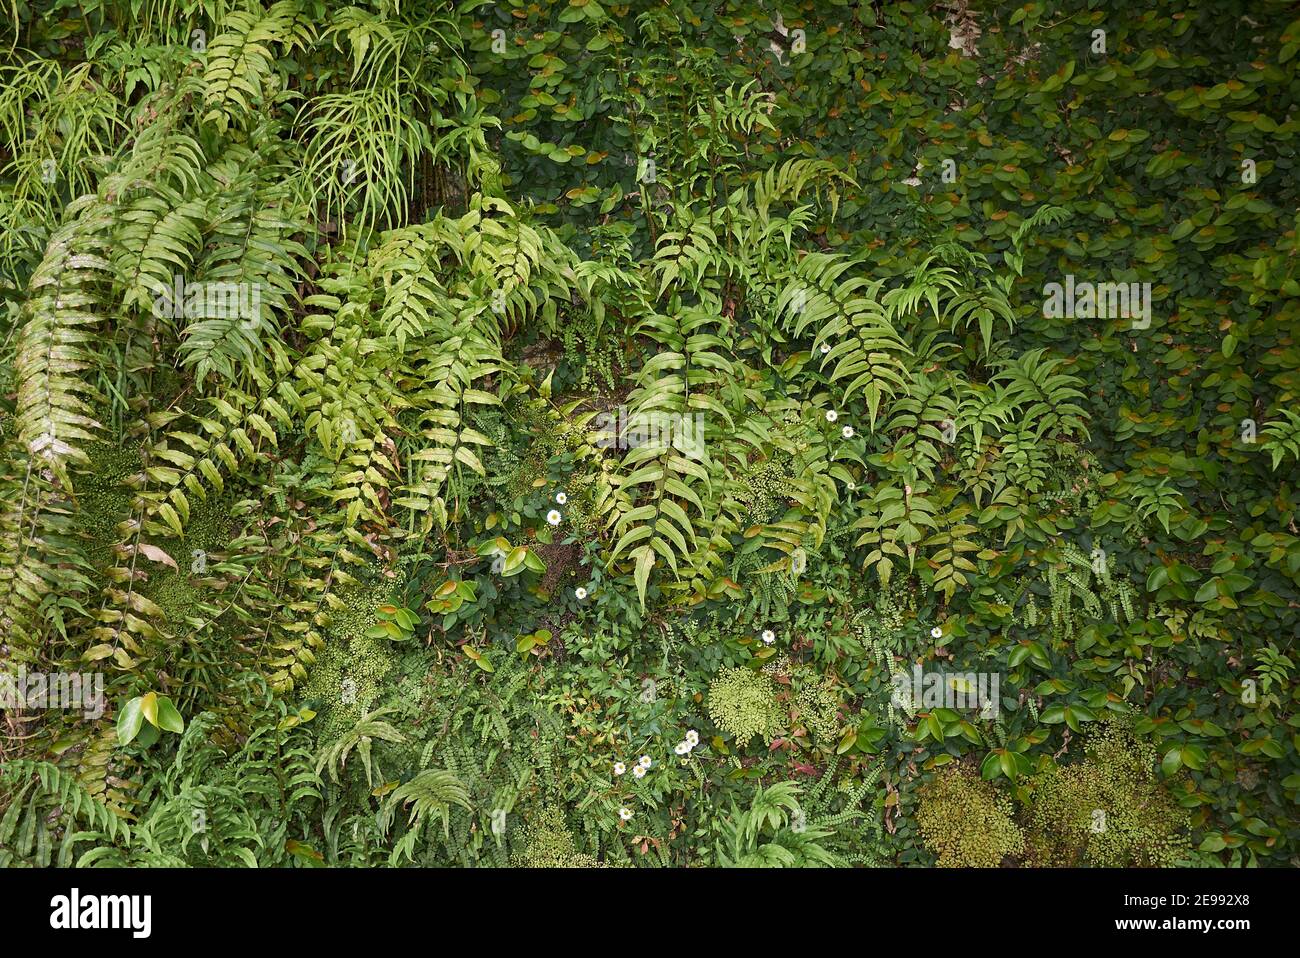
[(241, 60), (848, 317)]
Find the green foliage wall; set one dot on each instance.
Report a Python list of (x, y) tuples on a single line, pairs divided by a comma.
[(607, 410)]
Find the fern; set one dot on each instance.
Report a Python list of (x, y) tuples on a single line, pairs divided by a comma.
[(850, 318), (240, 59), (28, 829), (1282, 436), (430, 792), (361, 738)]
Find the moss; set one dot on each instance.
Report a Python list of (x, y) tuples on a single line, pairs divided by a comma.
[(765, 490), (818, 708), (348, 675), (210, 527), (966, 821), (742, 703), (548, 843), (103, 500), (1109, 810), (181, 592), (176, 594)]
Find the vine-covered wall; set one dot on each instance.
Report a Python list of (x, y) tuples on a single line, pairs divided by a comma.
[(666, 433)]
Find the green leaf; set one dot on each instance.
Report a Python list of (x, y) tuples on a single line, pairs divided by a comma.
[(991, 767), (1054, 715), (1008, 763), (1172, 761), (645, 561), (149, 707), (515, 560), (169, 719), (1209, 590), (129, 721), (172, 519)]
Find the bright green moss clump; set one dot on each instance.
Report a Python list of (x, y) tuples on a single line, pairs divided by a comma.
[(180, 593), (765, 488), (1108, 810), (548, 843), (743, 704), (348, 676), (103, 498), (966, 821), (818, 708)]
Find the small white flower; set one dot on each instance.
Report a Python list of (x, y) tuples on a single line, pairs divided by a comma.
[(831, 415), (625, 813), (847, 432), (692, 738), (639, 771), (561, 497), (936, 633), (580, 592), (619, 768), (826, 348), (645, 761), (554, 517), (768, 636), (852, 486), (682, 748)]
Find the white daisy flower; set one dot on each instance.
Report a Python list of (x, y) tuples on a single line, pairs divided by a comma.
[(692, 738), (645, 761), (831, 415), (580, 592), (639, 771), (768, 636), (625, 813), (554, 517), (682, 748), (847, 432), (561, 497), (619, 768), (936, 633)]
